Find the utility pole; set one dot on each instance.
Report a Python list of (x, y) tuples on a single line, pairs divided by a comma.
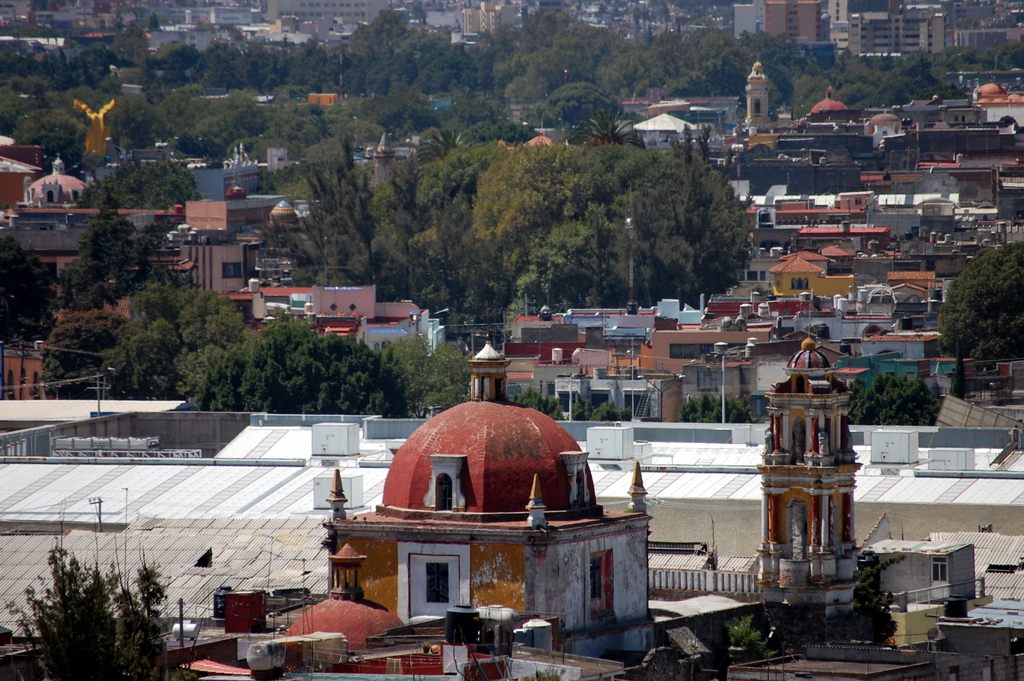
[(98, 503), (181, 622)]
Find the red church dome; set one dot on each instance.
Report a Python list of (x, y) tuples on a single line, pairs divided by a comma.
[(356, 619), (504, 444), (830, 103), (809, 357)]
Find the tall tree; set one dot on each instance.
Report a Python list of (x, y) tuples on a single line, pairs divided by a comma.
[(154, 186), (289, 369), (177, 334), (25, 291), (95, 626), (337, 236), (892, 401), (982, 307), (113, 259), (436, 378), (708, 409), (76, 345)]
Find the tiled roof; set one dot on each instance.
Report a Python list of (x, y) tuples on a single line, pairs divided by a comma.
[(836, 252), (809, 256), (911, 276), (797, 265)]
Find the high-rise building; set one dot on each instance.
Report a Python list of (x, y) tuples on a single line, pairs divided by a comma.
[(794, 18)]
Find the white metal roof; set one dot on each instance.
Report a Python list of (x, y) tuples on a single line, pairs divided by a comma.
[(76, 410), (50, 492)]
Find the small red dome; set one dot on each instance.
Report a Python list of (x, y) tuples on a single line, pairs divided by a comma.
[(991, 89), (830, 103), (809, 357), (357, 620), (504, 444)]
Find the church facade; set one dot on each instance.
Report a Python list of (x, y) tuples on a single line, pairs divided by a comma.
[(492, 503)]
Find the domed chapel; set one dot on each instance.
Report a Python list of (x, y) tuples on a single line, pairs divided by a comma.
[(491, 502)]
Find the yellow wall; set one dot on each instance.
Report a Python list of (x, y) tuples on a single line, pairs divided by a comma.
[(912, 627), (498, 575), (379, 574), (819, 284)]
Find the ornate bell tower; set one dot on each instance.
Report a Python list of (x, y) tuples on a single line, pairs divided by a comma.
[(807, 480), (757, 98)]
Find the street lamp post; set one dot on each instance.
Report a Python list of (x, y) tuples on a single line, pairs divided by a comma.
[(720, 349)]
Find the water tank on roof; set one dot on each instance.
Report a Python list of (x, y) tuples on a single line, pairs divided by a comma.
[(906, 323), (764, 310), (846, 348), (824, 332), (545, 314), (632, 307), (746, 310), (190, 628), (556, 355), (542, 636), (956, 606), (220, 601), (461, 624), (254, 286)]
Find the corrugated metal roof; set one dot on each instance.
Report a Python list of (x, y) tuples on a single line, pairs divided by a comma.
[(911, 546), (677, 561), (990, 548), (1008, 585), (247, 554)]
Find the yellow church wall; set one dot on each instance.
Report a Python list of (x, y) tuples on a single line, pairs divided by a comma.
[(379, 574), (498, 575)]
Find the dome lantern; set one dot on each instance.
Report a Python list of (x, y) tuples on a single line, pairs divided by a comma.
[(489, 375)]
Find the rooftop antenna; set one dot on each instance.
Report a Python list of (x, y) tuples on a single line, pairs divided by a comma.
[(630, 304), (98, 503)]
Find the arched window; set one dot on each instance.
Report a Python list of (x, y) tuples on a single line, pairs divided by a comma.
[(757, 106), (444, 493), (49, 196)]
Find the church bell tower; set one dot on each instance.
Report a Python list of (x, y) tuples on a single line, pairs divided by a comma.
[(807, 481), (757, 98)]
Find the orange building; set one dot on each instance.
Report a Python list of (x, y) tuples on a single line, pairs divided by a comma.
[(807, 481), (21, 372)]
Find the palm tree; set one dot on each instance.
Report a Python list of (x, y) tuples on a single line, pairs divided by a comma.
[(438, 144), (605, 127)]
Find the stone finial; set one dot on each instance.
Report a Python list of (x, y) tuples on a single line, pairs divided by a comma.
[(336, 498), (637, 492), (536, 507)]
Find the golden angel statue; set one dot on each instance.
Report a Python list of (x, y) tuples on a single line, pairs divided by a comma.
[(96, 138)]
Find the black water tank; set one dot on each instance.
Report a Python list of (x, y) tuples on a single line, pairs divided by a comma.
[(632, 307), (906, 324), (824, 332), (956, 606), (220, 601), (867, 559), (545, 314), (462, 624), (846, 348)]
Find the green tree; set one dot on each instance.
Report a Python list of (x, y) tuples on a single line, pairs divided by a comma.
[(743, 634), (290, 369), (892, 401), (542, 403), (26, 291), (337, 236), (177, 333), (871, 601), (584, 410), (605, 127), (438, 378), (75, 348), (958, 385), (94, 626), (708, 409), (438, 144), (154, 186), (982, 307), (113, 259)]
